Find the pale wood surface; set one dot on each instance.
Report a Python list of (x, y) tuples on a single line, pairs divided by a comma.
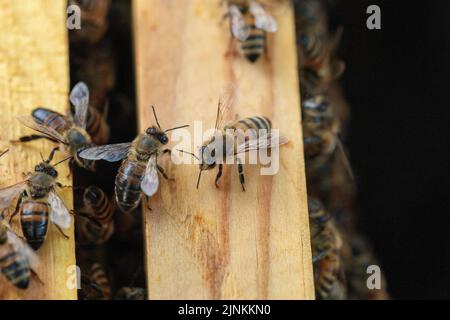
[(34, 72), (222, 244)]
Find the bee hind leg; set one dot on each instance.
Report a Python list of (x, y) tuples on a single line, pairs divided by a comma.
[(62, 232), (241, 174), (219, 174), (32, 137), (163, 173), (16, 211), (34, 273)]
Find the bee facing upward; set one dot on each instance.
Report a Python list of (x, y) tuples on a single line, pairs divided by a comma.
[(96, 204), (70, 132), (37, 200), (326, 242), (139, 169), (260, 137), (249, 23), (17, 259)]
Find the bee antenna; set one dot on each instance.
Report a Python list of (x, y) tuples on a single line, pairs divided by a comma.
[(42, 157), (176, 128), (198, 180), (68, 158), (156, 118), (189, 153), (52, 154)]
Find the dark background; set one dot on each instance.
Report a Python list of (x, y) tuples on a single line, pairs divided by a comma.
[(397, 82)]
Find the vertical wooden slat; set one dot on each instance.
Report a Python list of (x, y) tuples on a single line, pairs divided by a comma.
[(34, 72), (222, 244)]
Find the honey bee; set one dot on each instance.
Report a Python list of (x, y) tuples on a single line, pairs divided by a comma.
[(100, 228), (318, 66), (94, 20), (225, 135), (37, 200), (139, 169), (249, 23), (99, 276), (326, 241), (17, 259), (321, 134), (131, 293), (69, 132)]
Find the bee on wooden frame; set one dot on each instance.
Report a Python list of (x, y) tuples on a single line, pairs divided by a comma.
[(260, 138), (321, 130), (17, 260), (97, 205), (327, 244), (249, 23), (94, 21), (139, 169), (71, 132), (37, 201)]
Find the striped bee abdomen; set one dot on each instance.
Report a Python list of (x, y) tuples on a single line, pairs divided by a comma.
[(252, 123), (98, 276), (51, 119), (34, 221), (253, 47), (97, 127), (14, 266), (128, 184)]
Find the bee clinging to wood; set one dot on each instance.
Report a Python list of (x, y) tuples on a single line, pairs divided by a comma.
[(221, 147), (100, 227), (249, 23), (70, 131), (321, 130), (139, 169), (326, 242), (37, 201), (17, 259)]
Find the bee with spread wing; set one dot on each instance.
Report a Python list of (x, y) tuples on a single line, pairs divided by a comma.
[(17, 259), (37, 201), (260, 137), (70, 131), (139, 169), (249, 23)]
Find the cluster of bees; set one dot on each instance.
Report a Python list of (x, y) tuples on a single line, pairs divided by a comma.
[(340, 255), (82, 135)]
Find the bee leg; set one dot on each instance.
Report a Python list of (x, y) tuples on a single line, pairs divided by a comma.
[(266, 49), (167, 151), (59, 185), (241, 174), (219, 174), (32, 138), (147, 199), (161, 170), (16, 211), (34, 273), (62, 232), (232, 50)]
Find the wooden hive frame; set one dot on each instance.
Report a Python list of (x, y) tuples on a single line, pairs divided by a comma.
[(206, 244)]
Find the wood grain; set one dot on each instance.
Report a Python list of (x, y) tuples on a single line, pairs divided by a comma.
[(34, 72), (222, 244)]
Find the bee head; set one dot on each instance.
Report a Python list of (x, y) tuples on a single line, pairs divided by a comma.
[(160, 135), (45, 167), (208, 158)]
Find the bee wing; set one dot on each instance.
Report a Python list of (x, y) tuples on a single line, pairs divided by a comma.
[(21, 246), (226, 102), (238, 27), (8, 194), (28, 121), (345, 160), (79, 97), (60, 214), (270, 140), (150, 183), (109, 152), (263, 20)]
